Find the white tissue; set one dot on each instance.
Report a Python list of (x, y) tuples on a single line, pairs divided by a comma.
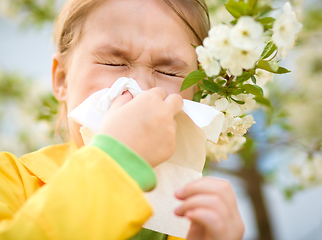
[(90, 112), (184, 166)]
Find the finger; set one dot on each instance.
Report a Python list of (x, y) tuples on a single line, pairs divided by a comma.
[(210, 221), (196, 232), (158, 92), (121, 100), (175, 103), (222, 188), (207, 201)]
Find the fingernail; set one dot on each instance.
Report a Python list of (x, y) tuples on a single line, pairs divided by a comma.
[(127, 91), (177, 209), (179, 192)]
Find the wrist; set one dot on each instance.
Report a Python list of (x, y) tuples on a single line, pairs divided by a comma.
[(129, 160)]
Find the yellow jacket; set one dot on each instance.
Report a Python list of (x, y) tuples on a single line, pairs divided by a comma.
[(61, 192)]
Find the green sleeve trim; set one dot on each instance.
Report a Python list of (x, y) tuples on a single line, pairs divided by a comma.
[(147, 234), (130, 161)]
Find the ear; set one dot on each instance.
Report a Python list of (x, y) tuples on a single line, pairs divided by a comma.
[(59, 82)]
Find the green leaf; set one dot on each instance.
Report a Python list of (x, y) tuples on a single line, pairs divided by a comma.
[(267, 22), (237, 101), (252, 5), (194, 46), (282, 70), (286, 126), (212, 86), (264, 11), (263, 101), (202, 87), (221, 82), (242, 78), (253, 79), (274, 65), (197, 96), (233, 22), (236, 91), (270, 66), (268, 50), (289, 193), (253, 89), (237, 9), (192, 79)]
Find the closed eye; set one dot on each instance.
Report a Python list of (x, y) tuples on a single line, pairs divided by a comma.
[(168, 73), (115, 64)]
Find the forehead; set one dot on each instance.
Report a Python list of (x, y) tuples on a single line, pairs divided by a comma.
[(138, 25)]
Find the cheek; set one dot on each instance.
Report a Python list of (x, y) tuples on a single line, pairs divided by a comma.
[(83, 83), (188, 93), (174, 86), (100, 76)]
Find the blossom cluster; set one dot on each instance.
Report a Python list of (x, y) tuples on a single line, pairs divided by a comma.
[(237, 118), (236, 47), (308, 173), (239, 47), (285, 30), (236, 60), (236, 123)]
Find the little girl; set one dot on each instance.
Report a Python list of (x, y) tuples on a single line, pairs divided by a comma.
[(71, 191)]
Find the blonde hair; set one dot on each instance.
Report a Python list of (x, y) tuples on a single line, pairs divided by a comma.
[(68, 31), (69, 24)]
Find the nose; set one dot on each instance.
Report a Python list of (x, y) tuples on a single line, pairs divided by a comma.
[(143, 76)]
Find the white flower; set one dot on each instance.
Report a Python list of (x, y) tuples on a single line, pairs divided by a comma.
[(214, 97), (228, 124), (241, 125), (309, 173), (246, 33), (285, 30), (244, 97), (233, 109), (218, 41), (250, 103), (207, 61), (236, 48), (248, 121), (221, 104), (242, 109), (263, 77), (240, 59), (226, 145), (7, 8), (210, 99), (236, 142), (238, 128), (217, 151)]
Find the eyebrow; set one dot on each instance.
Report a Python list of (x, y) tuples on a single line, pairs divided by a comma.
[(170, 62), (112, 50), (122, 52)]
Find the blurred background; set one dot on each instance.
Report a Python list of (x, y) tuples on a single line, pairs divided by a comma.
[(277, 176)]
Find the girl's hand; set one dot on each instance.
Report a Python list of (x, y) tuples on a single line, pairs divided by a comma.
[(146, 123), (211, 206)]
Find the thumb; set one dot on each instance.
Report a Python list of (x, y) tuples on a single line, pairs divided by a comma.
[(196, 232), (121, 100)]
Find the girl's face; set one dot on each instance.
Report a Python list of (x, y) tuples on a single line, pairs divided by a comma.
[(140, 39)]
